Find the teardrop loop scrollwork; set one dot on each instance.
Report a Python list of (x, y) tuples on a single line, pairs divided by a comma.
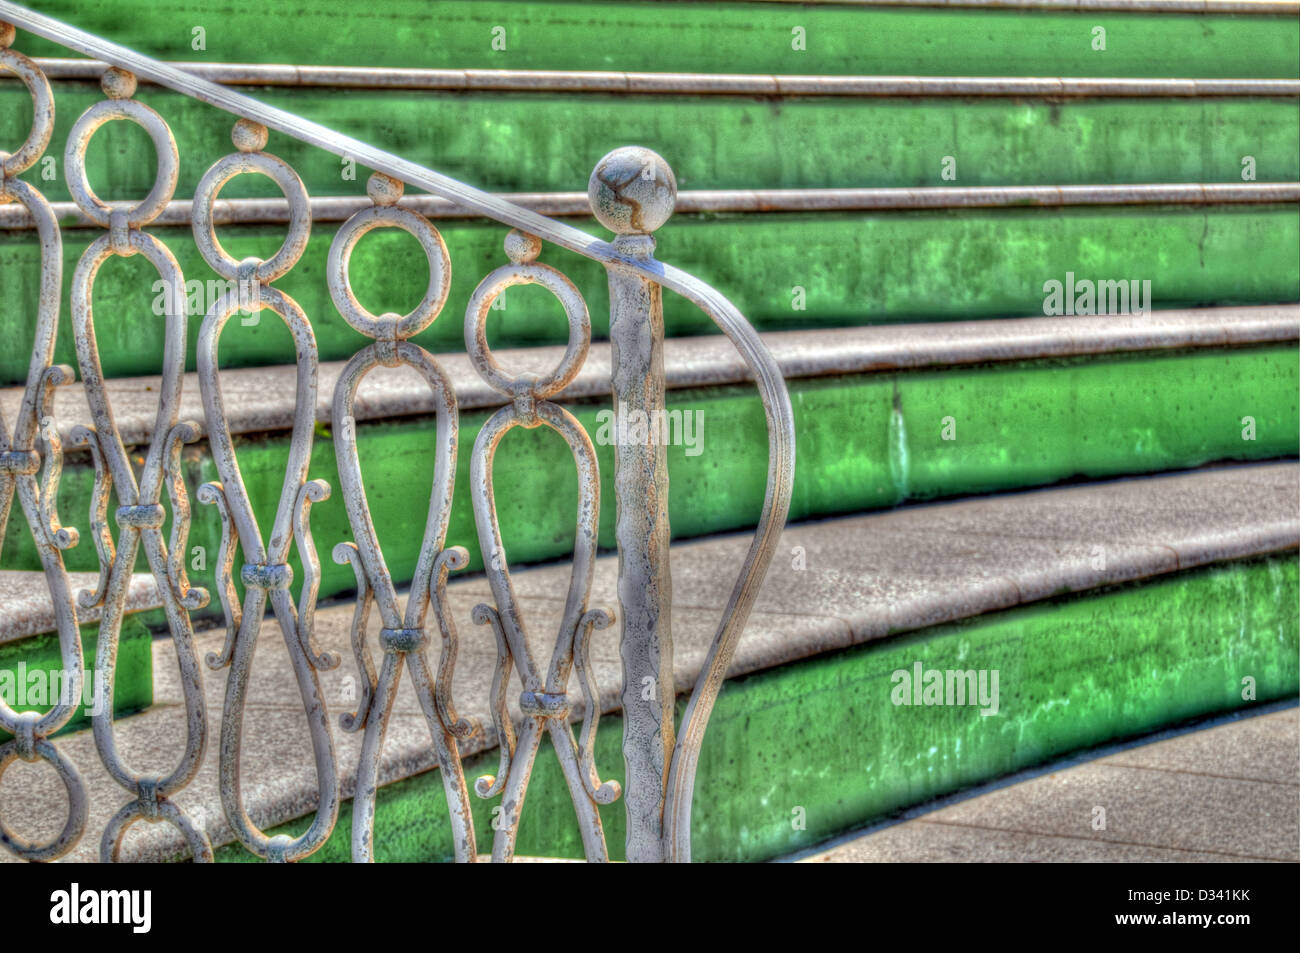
[(140, 515), (267, 575), (403, 635), (544, 700)]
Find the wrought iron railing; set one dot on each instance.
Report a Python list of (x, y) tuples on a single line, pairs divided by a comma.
[(632, 192)]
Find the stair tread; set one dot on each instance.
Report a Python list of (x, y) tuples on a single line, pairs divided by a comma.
[(26, 609), (260, 399), (1222, 793), (866, 577)]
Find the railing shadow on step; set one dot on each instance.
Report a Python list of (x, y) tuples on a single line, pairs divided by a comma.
[(632, 192)]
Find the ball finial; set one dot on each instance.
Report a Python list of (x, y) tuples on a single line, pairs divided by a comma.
[(117, 83), (7, 34), (249, 136), (384, 189), (632, 191), (522, 248)]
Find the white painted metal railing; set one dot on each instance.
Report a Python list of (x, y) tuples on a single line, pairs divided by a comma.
[(632, 191)]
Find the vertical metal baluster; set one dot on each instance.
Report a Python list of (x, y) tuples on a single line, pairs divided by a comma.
[(266, 573), (141, 516), (632, 192), (20, 462), (544, 700), (403, 636)]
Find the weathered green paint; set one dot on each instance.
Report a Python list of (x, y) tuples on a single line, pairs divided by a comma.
[(514, 142), (703, 37), (39, 655), (855, 269), (823, 735), (863, 442)]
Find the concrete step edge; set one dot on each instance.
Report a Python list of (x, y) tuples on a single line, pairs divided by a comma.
[(692, 83), (260, 399), (329, 208), (26, 608)]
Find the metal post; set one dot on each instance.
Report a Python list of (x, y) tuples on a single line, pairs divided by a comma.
[(632, 192)]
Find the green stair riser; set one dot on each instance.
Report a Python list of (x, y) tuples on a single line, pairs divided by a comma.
[(854, 269), (701, 37), (822, 740), (863, 442), (513, 142), (133, 686)]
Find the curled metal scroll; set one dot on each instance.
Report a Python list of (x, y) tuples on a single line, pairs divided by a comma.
[(140, 515), (20, 468), (544, 700), (403, 636), (267, 574)]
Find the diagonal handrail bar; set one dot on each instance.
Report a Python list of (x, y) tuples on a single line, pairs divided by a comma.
[(246, 107)]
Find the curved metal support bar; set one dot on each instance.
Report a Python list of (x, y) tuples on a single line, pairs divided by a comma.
[(238, 521), (355, 721), (189, 597), (490, 785), (51, 280), (609, 791), (220, 439), (213, 494), (280, 848), (60, 537), (372, 743), (313, 491), (450, 768), (99, 496), (776, 506), (438, 519), (453, 558)]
